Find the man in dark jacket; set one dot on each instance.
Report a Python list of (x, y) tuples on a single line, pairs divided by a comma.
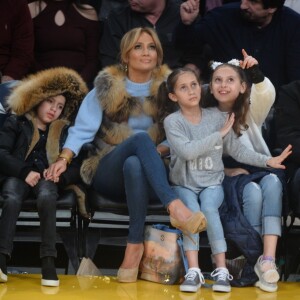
[(163, 15), (264, 28), (288, 129)]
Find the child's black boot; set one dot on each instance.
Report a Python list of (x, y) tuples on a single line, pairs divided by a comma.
[(49, 277), (3, 268)]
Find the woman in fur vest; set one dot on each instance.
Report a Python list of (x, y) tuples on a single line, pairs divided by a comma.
[(44, 104), (120, 116)]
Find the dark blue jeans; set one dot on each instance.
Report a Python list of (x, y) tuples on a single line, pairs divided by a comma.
[(135, 171), (14, 192)]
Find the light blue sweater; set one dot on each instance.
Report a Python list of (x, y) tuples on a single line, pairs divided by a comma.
[(89, 117)]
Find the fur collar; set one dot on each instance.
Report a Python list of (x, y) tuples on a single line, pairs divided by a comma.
[(112, 93), (118, 106)]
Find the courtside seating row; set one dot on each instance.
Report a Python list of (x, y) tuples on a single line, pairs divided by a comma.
[(109, 222)]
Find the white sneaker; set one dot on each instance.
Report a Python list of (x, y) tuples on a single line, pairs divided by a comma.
[(267, 270), (267, 273)]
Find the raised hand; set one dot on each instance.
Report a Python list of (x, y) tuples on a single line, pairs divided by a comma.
[(189, 11), (248, 62), (228, 124), (276, 162)]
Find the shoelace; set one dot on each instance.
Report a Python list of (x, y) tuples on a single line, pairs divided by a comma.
[(192, 275), (222, 274)]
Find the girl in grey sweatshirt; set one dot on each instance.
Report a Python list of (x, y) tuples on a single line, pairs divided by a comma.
[(197, 138)]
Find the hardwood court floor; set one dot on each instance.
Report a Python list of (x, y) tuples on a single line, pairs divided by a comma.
[(27, 287)]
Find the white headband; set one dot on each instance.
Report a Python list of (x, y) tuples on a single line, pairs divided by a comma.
[(234, 62)]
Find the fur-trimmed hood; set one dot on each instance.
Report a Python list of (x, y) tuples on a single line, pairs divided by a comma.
[(31, 91)]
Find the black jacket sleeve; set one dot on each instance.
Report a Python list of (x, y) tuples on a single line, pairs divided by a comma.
[(288, 119)]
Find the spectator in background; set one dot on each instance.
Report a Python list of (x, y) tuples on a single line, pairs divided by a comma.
[(264, 28), (66, 34), (288, 129), (294, 4), (104, 7), (163, 15), (16, 42)]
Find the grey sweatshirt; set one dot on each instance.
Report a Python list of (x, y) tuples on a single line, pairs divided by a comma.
[(196, 150)]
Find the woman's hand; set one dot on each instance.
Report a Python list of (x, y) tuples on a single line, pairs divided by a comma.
[(33, 178), (228, 125), (163, 150), (275, 162), (235, 171), (55, 170)]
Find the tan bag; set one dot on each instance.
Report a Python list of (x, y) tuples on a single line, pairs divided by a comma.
[(163, 260)]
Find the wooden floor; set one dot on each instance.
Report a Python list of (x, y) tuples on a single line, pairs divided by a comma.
[(27, 287)]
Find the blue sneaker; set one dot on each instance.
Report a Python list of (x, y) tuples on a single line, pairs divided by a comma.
[(222, 278), (192, 281)]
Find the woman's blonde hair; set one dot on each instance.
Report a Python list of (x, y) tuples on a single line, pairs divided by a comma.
[(130, 38)]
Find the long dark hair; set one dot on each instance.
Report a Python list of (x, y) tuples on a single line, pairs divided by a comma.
[(241, 105)]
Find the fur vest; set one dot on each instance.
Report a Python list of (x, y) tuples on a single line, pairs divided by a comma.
[(117, 107)]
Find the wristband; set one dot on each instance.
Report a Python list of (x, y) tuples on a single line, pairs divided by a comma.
[(255, 74), (65, 158)]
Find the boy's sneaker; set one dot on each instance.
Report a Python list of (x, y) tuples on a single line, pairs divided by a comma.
[(192, 281), (49, 277), (267, 273), (3, 268), (221, 277)]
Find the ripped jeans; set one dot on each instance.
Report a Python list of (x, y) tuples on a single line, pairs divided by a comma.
[(262, 205)]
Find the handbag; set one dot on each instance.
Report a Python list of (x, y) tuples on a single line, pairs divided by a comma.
[(164, 260)]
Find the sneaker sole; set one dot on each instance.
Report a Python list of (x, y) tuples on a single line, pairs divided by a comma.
[(48, 282), (221, 288), (266, 288), (270, 276), (3, 277), (191, 289)]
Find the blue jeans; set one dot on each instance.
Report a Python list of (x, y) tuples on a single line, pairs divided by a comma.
[(134, 170), (208, 201), (262, 205), (14, 192)]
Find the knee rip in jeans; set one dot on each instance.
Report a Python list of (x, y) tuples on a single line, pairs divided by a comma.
[(274, 177), (253, 185), (213, 187)]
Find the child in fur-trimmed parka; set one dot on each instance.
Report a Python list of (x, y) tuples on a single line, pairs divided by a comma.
[(44, 104)]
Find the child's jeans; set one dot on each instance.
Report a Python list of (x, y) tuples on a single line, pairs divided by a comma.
[(14, 192), (208, 201), (262, 205)]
